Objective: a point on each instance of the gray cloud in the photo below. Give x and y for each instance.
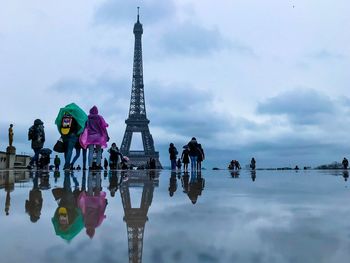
(192, 39)
(115, 12)
(301, 106)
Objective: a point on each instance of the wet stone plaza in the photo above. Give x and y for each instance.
(164, 216)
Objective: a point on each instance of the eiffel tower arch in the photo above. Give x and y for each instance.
(137, 121)
(136, 217)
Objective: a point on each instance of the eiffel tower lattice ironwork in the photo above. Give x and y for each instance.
(137, 121)
(136, 217)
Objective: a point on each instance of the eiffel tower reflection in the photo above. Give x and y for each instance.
(136, 217)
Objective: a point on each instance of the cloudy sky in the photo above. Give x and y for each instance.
(268, 79)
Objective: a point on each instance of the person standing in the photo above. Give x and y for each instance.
(36, 134)
(193, 152)
(252, 163)
(114, 154)
(345, 163)
(185, 157)
(70, 121)
(200, 156)
(173, 155)
(96, 137)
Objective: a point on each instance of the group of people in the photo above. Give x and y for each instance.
(234, 165)
(192, 152)
(84, 133)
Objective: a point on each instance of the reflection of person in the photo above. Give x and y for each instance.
(196, 186)
(67, 211)
(253, 175)
(11, 135)
(172, 184)
(93, 204)
(35, 201)
(57, 162)
(113, 183)
(345, 175)
(184, 182)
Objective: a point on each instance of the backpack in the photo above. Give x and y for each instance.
(66, 124)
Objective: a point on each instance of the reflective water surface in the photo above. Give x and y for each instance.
(164, 216)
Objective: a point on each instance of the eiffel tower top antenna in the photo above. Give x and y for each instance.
(138, 14)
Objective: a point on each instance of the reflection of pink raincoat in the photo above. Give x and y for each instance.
(93, 208)
(95, 131)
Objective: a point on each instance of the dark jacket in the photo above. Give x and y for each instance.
(173, 152)
(36, 134)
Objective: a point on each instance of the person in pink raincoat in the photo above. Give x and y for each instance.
(95, 136)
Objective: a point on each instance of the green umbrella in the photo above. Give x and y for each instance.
(78, 114)
(72, 230)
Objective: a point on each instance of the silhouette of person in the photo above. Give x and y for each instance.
(113, 183)
(200, 156)
(172, 183)
(252, 164)
(35, 201)
(253, 175)
(173, 155)
(185, 157)
(185, 181)
(345, 163)
(345, 175)
(196, 186)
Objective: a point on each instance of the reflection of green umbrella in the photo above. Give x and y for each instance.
(73, 230)
(78, 114)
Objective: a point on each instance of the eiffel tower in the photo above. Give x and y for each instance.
(137, 120)
(136, 218)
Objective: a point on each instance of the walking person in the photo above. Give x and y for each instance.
(193, 152)
(185, 157)
(173, 155)
(57, 163)
(200, 156)
(95, 136)
(36, 134)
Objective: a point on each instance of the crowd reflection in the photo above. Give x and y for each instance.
(192, 184)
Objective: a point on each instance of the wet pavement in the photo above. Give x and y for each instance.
(164, 216)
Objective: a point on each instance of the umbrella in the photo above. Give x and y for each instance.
(45, 151)
(77, 113)
(72, 230)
